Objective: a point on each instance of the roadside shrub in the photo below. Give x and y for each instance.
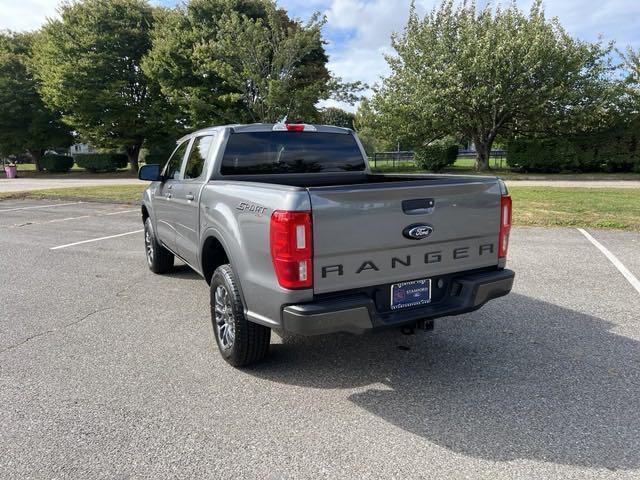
(437, 155)
(54, 163)
(101, 162)
(615, 150)
(539, 155)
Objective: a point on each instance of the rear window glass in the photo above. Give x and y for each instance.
(254, 153)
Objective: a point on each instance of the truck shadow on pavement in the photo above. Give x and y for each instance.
(183, 272)
(518, 379)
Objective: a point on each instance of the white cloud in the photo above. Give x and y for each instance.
(362, 56)
(613, 19)
(21, 15)
(25, 14)
(371, 23)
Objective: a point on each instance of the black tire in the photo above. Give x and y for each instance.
(159, 259)
(240, 341)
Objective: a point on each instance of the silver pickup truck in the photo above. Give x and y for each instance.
(293, 231)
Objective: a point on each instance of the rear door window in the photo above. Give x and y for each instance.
(254, 153)
(197, 156)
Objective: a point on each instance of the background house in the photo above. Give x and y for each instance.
(80, 148)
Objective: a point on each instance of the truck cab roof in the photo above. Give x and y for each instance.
(263, 127)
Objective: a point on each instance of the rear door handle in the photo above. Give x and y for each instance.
(189, 196)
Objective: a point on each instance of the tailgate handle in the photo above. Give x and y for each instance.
(418, 206)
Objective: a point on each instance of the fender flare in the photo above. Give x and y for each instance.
(212, 232)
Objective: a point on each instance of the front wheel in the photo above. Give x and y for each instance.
(240, 341)
(159, 259)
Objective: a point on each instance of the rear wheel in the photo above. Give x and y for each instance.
(240, 341)
(159, 259)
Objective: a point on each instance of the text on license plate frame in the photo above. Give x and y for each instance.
(403, 296)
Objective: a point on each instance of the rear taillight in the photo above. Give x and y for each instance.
(505, 225)
(292, 249)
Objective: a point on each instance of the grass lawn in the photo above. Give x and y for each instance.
(107, 193)
(31, 167)
(29, 170)
(577, 207)
(536, 206)
(465, 165)
(462, 163)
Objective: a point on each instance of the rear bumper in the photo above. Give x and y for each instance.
(357, 313)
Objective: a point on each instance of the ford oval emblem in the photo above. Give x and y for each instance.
(417, 231)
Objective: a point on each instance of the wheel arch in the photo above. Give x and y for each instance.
(145, 213)
(213, 254)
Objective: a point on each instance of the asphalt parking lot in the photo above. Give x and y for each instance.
(110, 371)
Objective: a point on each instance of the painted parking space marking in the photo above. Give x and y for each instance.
(39, 206)
(58, 220)
(631, 278)
(122, 211)
(96, 239)
(63, 219)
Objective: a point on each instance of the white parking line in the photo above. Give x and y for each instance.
(87, 216)
(63, 219)
(122, 211)
(39, 206)
(95, 240)
(635, 283)
(57, 220)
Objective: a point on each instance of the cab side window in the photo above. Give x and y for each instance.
(197, 156)
(172, 168)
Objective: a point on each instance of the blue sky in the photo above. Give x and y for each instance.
(358, 31)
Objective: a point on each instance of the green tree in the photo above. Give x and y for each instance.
(481, 73)
(632, 82)
(227, 61)
(368, 123)
(26, 124)
(275, 65)
(336, 116)
(632, 60)
(89, 66)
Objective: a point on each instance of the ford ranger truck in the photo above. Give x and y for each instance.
(292, 231)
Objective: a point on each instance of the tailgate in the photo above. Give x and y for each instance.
(360, 234)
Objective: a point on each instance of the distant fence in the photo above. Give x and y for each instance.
(393, 159)
(406, 158)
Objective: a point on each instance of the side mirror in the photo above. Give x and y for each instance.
(150, 173)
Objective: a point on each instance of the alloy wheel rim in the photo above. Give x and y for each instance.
(223, 313)
(148, 246)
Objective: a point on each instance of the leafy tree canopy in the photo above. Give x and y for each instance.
(226, 61)
(632, 82)
(89, 66)
(367, 122)
(480, 73)
(336, 116)
(26, 124)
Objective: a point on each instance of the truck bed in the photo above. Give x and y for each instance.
(359, 223)
(345, 179)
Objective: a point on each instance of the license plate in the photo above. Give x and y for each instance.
(410, 294)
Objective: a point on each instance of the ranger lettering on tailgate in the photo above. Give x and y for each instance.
(431, 257)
